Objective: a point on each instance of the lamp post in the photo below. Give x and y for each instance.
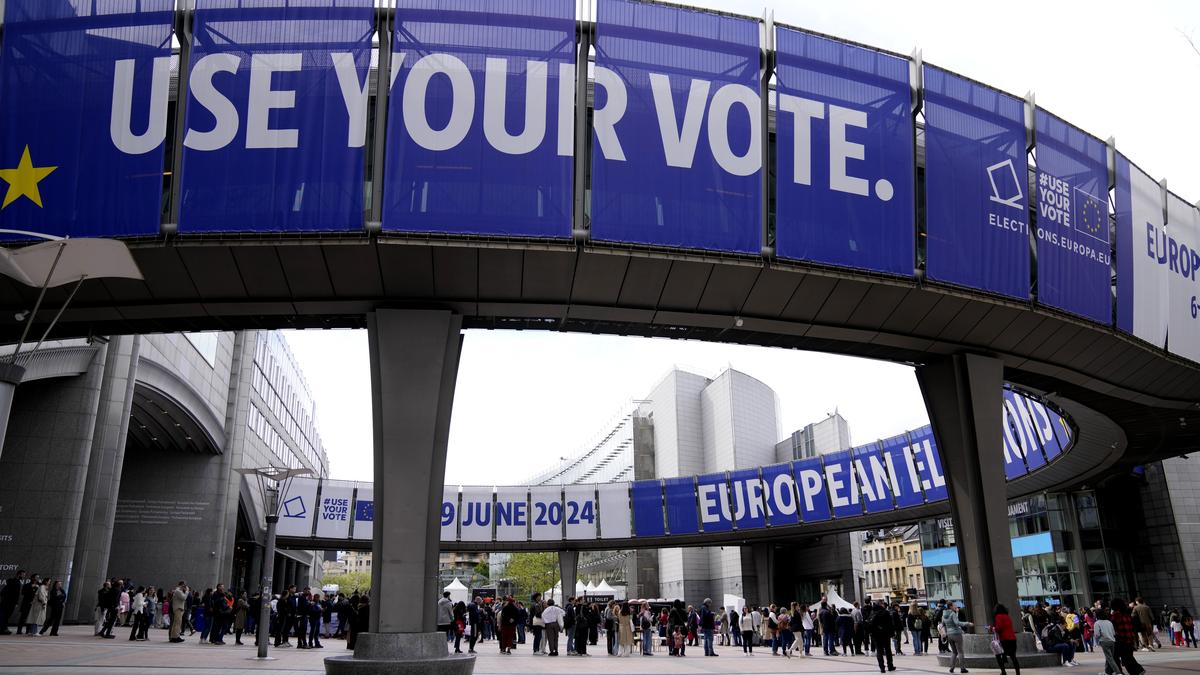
(273, 484)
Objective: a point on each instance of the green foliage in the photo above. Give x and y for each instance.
(532, 572)
(349, 582)
(484, 571)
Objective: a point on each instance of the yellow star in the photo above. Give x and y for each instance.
(23, 180)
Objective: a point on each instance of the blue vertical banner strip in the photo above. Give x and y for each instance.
(748, 499)
(896, 458)
(780, 487)
(676, 157)
(680, 497)
(810, 488)
(1072, 220)
(647, 499)
(85, 87)
(276, 116)
(840, 482)
(976, 204)
(1142, 253)
(481, 128)
(712, 491)
(844, 155)
(874, 479)
(1027, 434)
(928, 464)
(1014, 455)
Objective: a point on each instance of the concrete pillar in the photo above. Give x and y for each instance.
(414, 367)
(963, 396)
(568, 566)
(280, 580)
(10, 377)
(764, 572)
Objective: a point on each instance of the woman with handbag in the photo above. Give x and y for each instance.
(1004, 640)
(951, 630)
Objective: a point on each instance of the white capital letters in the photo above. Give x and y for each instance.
(263, 99)
(462, 106)
(354, 95)
(604, 120)
(566, 109)
(121, 122)
(803, 112)
(679, 144)
(718, 129)
(495, 95)
(841, 149)
(206, 94)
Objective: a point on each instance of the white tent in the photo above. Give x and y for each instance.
(590, 588)
(832, 597)
(458, 592)
(735, 602)
(579, 587)
(604, 589)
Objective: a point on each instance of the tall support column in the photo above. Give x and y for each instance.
(764, 573)
(10, 377)
(568, 566)
(414, 366)
(963, 396)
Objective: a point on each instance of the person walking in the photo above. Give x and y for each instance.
(1188, 625)
(582, 627)
(508, 625)
(28, 590)
(1144, 623)
(1002, 625)
(316, 613)
(1106, 637)
(646, 622)
(537, 624)
(37, 608)
(1127, 637)
(108, 598)
(881, 628)
(625, 625)
(707, 626)
(445, 616)
(137, 610)
(57, 603)
(952, 633)
(240, 611)
(552, 623)
(10, 597)
(474, 623)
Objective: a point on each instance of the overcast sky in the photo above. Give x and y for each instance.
(524, 399)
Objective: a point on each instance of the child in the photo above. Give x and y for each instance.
(679, 642)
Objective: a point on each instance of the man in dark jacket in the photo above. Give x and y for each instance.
(301, 611)
(708, 623)
(508, 625)
(474, 621)
(10, 595)
(583, 625)
(108, 598)
(828, 620)
(882, 627)
(27, 593)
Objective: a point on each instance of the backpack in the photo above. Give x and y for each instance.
(918, 624)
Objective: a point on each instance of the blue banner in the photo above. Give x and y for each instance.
(716, 514)
(897, 457)
(679, 495)
(845, 162)
(677, 158)
(481, 118)
(276, 116)
(876, 481)
(927, 463)
(810, 487)
(646, 497)
(1142, 284)
(1073, 249)
(780, 493)
(976, 208)
(81, 139)
(842, 485)
(748, 495)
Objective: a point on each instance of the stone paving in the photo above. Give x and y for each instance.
(77, 652)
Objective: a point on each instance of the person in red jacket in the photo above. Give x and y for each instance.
(1003, 626)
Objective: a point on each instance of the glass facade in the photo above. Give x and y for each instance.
(283, 414)
(1059, 556)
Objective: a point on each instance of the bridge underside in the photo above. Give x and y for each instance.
(322, 282)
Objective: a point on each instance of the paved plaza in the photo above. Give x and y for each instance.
(76, 651)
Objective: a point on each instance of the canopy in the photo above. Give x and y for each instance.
(590, 588)
(458, 592)
(832, 597)
(605, 589)
(54, 263)
(734, 602)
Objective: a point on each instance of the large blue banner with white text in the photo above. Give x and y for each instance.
(1141, 255)
(85, 87)
(481, 118)
(676, 145)
(1073, 249)
(844, 155)
(276, 116)
(976, 210)
(1183, 287)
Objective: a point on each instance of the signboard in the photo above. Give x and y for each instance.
(546, 513)
(1073, 250)
(81, 137)
(364, 512)
(1142, 249)
(512, 514)
(677, 131)
(481, 119)
(475, 514)
(845, 160)
(580, 511)
(888, 475)
(276, 116)
(1183, 258)
(336, 511)
(297, 509)
(614, 510)
(976, 204)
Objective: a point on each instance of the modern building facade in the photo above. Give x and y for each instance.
(124, 453)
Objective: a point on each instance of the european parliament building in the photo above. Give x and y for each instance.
(122, 453)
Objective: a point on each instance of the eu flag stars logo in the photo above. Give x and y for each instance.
(23, 180)
(1092, 217)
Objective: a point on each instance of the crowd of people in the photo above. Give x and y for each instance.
(877, 629)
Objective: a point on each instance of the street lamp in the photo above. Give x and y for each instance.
(273, 483)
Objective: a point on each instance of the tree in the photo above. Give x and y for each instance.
(532, 572)
(349, 582)
(483, 571)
